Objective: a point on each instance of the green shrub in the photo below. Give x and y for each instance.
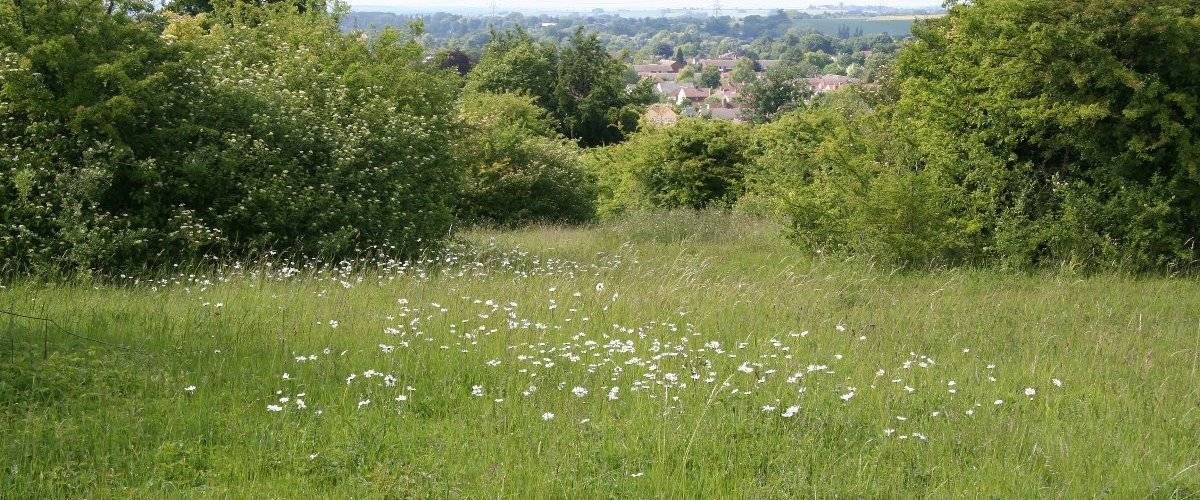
(838, 176)
(1073, 142)
(327, 144)
(1090, 112)
(519, 169)
(130, 141)
(695, 164)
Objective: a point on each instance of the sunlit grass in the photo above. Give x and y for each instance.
(741, 368)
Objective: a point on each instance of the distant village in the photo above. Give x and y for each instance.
(720, 102)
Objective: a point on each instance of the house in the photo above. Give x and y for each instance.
(675, 65)
(691, 95)
(656, 72)
(670, 88)
(653, 68)
(658, 77)
(828, 83)
(728, 95)
(721, 64)
(661, 115)
(727, 114)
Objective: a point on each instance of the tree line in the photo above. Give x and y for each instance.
(135, 137)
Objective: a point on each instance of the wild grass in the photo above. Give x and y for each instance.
(711, 328)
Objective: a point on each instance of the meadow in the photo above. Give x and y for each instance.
(674, 355)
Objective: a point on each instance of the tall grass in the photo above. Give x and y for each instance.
(710, 328)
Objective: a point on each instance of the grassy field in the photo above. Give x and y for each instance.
(673, 356)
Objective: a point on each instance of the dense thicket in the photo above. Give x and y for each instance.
(1021, 132)
(519, 169)
(1072, 127)
(131, 139)
(695, 164)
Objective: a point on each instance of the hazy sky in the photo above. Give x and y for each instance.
(577, 5)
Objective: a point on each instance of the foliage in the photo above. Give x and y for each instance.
(520, 169)
(710, 77)
(694, 164)
(1069, 142)
(581, 84)
(842, 180)
(1082, 131)
(515, 62)
(127, 148)
(783, 88)
(744, 71)
(592, 102)
(85, 107)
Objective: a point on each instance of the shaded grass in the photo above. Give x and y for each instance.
(86, 420)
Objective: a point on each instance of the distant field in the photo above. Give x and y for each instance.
(680, 355)
(893, 25)
(911, 17)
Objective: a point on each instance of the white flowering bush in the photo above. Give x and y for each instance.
(203, 137)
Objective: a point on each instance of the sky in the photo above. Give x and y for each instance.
(586, 5)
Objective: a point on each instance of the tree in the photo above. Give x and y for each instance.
(783, 88)
(818, 59)
(686, 74)
(744, 71)
(457, 60)
(679, 58)
(580, 83)
(513, 61)
(710, 77)
(592, 102)
(815, 42)
(90, 97)
(662, 50)
(190, 7)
